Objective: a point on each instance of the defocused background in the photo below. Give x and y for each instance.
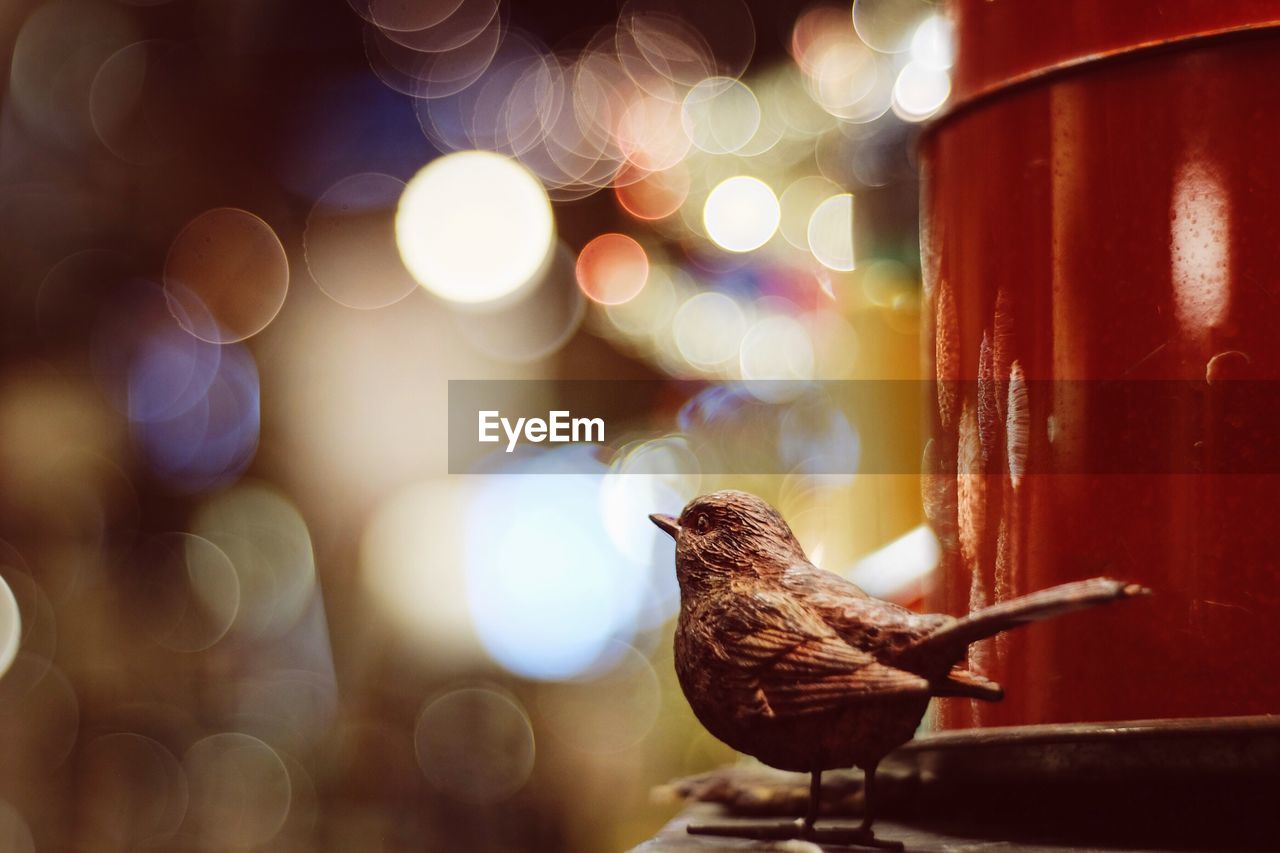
(246, 245)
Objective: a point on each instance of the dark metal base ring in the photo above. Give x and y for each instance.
(788, 830)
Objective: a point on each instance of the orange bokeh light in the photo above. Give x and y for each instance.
(652, 195)
(612, 269)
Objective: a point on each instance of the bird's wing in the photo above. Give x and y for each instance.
(871, 624)
(796, 664)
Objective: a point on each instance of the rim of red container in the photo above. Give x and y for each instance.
(1011, 61)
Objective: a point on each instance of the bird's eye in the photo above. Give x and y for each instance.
(701, 523)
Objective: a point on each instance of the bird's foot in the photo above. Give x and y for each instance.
(849, 835)
(795, 829)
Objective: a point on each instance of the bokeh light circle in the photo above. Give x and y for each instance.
(798, 202)
(350, 243)
(889, 25)
(240, 789)
(532, 325)
(607, 713)
(655, 195)
(140, 102)
(741, 214)
(474, 227)
(920, 91)
(411, 562)
(720, 115)
(140, 789)
(777, 347)
(10, 627)
(933, 44)
(191, 591)
(708, 330)
(548, 596)
(269, 546)
(612, 269)
(15, 835)
(226, 275)
(475, 744)
(831, 232)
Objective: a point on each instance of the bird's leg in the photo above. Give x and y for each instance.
(815, 801)
(805, 828)
(868, 797)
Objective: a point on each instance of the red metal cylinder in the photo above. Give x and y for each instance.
(1102, 204)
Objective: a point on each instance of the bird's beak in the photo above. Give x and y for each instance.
(667, 523)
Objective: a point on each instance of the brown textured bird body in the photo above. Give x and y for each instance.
(801, 668)
(834, 714)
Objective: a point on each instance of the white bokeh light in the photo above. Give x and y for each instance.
(474, 227)
(899, 569)
(708, 330)
(547, 588)
(10, 627)
(932, 45)
(831, 232)
(920, 91)
(741, 214)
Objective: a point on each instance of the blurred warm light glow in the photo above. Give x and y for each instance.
(608, 713)
(932, 45)
(830, 232)
(720, 115)
(192, 588)
(139, 102)
(475, 744)
(40, 713)
(535, 323)
(57, 53)
(406, 17)
(741, 214)
(226, 275)
(10, 627)
(645, 318)
(474, 227)
(149, 793)
(612, 269)
(899, 570)
(350, 242)
(412, 563)
(776, 347)
(708, 330)
(682, 43)
(14, 830)
(920, 91)
(269, 546)
(651, 134)
(654, 195)
(844, 76)
(884, 281)
(437, 61)
(240, 789)
(797, 204)
(888, 25)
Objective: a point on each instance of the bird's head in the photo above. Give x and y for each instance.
(726, 534)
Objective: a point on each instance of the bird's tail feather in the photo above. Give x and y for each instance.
(1044, 604)
(970, 685)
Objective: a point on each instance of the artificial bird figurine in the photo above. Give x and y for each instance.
(802, 669)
